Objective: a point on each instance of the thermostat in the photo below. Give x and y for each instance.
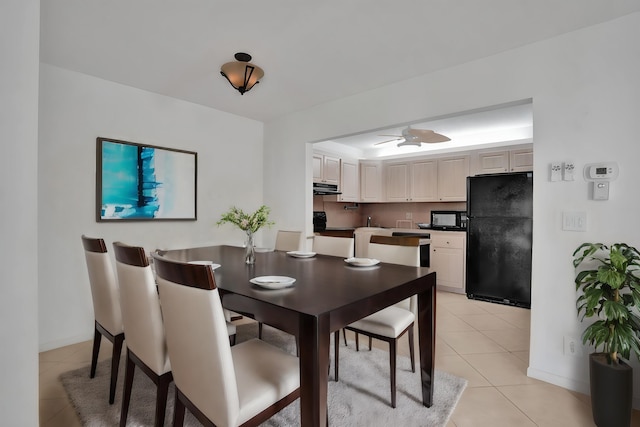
(605, 171)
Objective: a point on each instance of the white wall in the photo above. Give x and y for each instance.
(586, 104)
(75, 109)
(19, 49)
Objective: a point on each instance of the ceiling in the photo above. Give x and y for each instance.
(311, 52)
(503, 125)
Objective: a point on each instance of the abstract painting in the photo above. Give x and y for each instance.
(136, 182)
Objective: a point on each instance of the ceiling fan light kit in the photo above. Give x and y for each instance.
(242, 74)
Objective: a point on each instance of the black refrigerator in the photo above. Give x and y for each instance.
(499, 233)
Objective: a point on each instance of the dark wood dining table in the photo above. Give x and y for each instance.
(327, 295)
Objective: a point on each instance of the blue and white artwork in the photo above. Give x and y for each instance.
(141, 182)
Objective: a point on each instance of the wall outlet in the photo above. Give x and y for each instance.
(408, 215)
(572, 346)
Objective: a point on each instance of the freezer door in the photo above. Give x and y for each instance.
(499, 260)
(500, 195)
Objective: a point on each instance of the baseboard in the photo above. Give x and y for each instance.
(51, 345)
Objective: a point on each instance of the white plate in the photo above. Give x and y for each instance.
(301, 254)
(362, 262)
(273, 282)
(204, 262)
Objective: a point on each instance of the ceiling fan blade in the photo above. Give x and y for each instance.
(428, 136)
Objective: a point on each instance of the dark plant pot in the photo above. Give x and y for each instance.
(611, 391)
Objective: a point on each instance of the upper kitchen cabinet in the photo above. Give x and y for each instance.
(502, 161)
(370, 181)
(521, 160)
(326, 169)
(349, 181)
(452, 178)
(411, 181)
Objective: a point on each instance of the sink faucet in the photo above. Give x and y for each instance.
(368, 221)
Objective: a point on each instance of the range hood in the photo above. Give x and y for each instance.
(322, 189)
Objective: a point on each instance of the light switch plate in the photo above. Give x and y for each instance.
(574, 221)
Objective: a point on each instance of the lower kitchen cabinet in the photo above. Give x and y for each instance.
(448, 260)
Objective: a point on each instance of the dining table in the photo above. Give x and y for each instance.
(327, 295)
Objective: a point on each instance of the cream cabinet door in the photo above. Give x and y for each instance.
(448, 259)
(370, 182)
(424, 181)
(452, 179)
(493, 162)
(349, 182)
(521, 160)
(318, 165)
(397, 182)
(331, 170)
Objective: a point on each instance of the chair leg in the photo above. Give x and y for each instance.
(392, 365)
(357, 342)
(126, 395)
(178, 410)
(97, 337)
(344, 335)
(118, 340)
(336, 353)
(370, 342)
(161, 399)
(411, 350)
(259, 330)
(232, 339)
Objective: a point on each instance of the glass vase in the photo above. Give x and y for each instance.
(250, 249)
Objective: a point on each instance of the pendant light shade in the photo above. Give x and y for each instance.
(242, 74)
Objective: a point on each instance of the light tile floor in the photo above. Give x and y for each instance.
(488, 344)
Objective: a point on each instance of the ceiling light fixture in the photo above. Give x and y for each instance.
(242, 74)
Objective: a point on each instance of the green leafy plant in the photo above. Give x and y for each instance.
(610, 292)
(247, 222)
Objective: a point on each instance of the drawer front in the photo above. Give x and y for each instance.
(447, 240)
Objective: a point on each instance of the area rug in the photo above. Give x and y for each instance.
(360, 398)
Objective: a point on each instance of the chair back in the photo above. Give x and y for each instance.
(104, 286)
(403, 250)
(197, 338)
(333, 246)
(141, 308)
(288, 240)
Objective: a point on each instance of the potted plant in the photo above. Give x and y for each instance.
(249, 223)
(610, 292)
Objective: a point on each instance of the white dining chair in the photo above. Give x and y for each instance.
(220, 385)
(392, 322)
(333, 246)
(288, 240)
(105, 295)
(146, 345)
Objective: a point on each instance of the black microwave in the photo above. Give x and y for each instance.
(448, 220)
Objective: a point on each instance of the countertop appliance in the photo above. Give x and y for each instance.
(499, 235)
(448, 220)
(319, 221)
(322, 189)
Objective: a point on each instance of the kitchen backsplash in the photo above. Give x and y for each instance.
(382, 214)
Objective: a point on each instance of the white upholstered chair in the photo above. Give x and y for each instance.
(220, 385)
(288, 240)
(333, 246)
(390, 323)
(146, 344)
(106, 306)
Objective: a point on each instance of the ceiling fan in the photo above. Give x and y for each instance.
(416, 137)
